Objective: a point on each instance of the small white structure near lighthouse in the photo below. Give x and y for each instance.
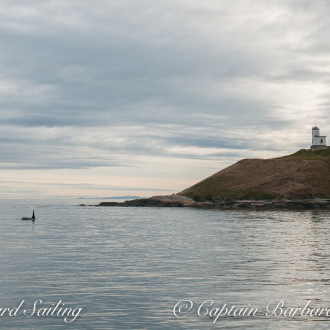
(318, 141)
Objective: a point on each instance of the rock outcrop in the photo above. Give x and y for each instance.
(155, 201)
(181, 201)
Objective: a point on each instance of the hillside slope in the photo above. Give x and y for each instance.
(304, 174)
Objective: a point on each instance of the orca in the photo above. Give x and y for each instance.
(33, 218)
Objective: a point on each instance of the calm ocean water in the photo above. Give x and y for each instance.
(127, 268)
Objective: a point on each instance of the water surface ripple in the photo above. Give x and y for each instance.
(128, 267)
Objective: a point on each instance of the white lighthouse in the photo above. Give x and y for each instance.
(318, 141)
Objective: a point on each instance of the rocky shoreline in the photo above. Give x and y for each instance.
(182, 201)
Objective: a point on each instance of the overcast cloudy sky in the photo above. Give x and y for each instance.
(110, 98)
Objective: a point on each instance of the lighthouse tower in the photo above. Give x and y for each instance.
(318, 141)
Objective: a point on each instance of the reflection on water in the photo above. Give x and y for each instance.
(128, 267)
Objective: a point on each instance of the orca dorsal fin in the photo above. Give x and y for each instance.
(33, 216)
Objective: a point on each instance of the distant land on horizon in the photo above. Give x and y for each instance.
(114, 197)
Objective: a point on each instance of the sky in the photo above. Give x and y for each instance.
(120, 98)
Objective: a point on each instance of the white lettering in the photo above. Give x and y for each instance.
(275, 311)
(206, 303)
(39, 301)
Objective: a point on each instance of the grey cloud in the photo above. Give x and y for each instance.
(154, 65)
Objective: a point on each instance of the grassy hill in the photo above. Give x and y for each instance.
(302, 175)
(309, 154)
